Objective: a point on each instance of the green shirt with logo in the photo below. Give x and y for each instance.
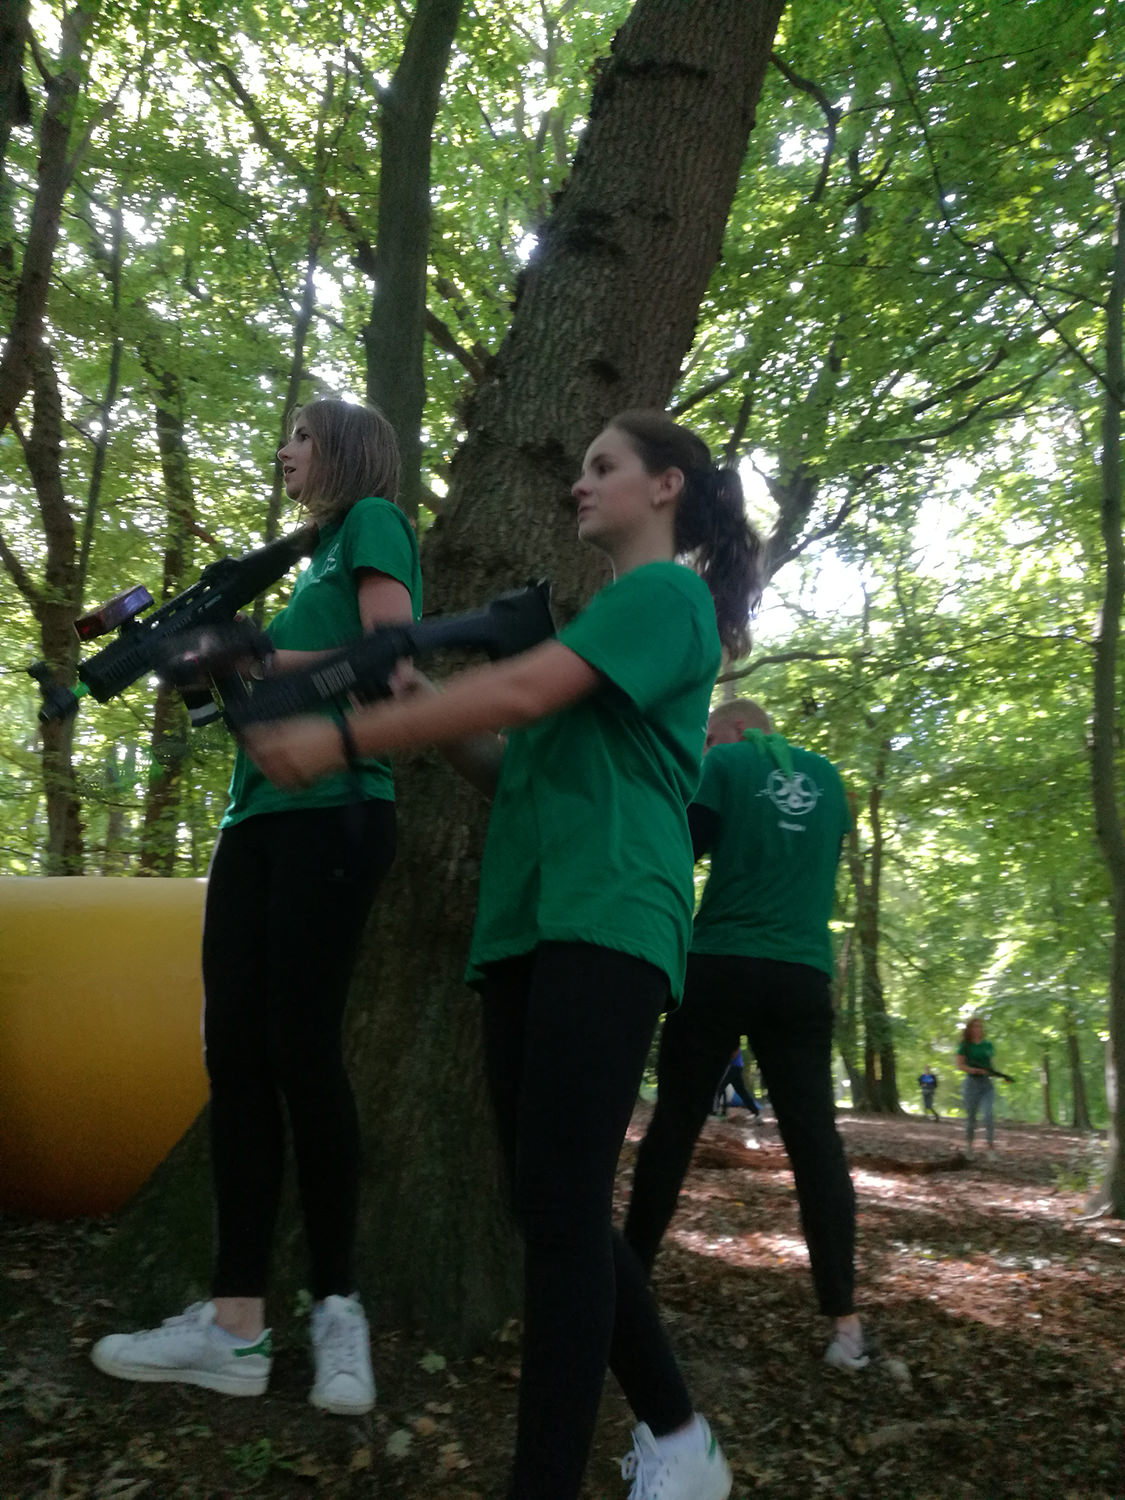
(588, 840)
(323, 615)
(782, 815)
(976, 1054)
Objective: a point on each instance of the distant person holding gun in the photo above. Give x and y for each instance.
(289, 889)
(928, 1083)
(735, 1078)
(974, 1058)
(584, 918)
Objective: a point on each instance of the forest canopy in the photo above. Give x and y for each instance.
(906, 345)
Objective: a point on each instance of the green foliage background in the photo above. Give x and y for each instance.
(900, 346)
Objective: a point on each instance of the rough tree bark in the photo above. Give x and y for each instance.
(1104, 757)
(603, 320)
(394, 339)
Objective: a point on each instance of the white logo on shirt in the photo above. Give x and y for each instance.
(795, 795)
(329, 564)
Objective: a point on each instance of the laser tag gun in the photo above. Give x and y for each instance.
(511, 623)
(992, 1073)
(143, 646)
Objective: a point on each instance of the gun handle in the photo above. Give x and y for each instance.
(58, 701)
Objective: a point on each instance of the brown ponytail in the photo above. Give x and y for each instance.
(712, 532)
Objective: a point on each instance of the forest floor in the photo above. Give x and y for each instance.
(1000, 1313)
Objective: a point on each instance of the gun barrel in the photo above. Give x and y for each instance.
(512, 623)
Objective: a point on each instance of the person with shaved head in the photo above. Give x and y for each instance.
(773, 818)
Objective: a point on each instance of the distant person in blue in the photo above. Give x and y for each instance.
(773, 818)
(928, 1082)
(735, 1078)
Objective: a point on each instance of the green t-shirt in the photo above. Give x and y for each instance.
(588, 839)
(782, 816)
(976, 1054)
(323, 615)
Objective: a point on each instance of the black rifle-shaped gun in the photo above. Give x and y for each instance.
(143, 647)
(992, 1072)
(511, 623)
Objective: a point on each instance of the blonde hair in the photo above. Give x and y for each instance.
(752, 714)
(354, 453)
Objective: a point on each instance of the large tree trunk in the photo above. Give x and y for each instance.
(1104, 760)
(395, 337)
(604, 317)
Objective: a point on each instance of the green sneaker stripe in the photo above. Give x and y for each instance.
(263, 1346)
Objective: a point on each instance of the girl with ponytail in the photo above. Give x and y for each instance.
(590, 748)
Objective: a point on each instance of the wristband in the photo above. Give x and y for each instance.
(347, 739)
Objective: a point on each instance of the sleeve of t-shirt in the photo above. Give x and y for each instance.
(712, 781)
(378, 535)
(703, 825)
(645, 634)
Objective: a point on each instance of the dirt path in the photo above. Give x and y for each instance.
(1007, 1312)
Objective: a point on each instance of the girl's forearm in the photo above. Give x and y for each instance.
(475, 702)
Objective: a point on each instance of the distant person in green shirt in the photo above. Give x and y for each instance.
(974, 1058)
(584, 918)
(288, 892)
(773, 818)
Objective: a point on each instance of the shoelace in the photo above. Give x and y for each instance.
(633, 1467)
(179, 1320)
(338, 1345)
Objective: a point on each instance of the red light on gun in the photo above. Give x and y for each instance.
(114, 612)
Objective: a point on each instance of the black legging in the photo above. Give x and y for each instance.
(785, 1012)
(287, 897)
(586, 1015)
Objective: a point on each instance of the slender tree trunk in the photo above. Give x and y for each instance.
(603, 320)
(15, 110)
(879, 1064)
(56, 608)
(170, 745)
(1104, 760)
(55, 170)
(1081, 1113)
(1045, 1082)
(846, 1020)
(394, 338)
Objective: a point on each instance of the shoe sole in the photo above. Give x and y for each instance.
(210, 1380)
(849, 1367)
(341, 1408)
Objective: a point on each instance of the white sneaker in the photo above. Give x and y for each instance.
(697, 1474)
(190, 1349)
(341, 1346)
(844, 1354)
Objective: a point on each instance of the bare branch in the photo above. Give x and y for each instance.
(831, 115)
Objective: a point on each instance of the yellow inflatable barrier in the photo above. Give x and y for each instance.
(101, 1062)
